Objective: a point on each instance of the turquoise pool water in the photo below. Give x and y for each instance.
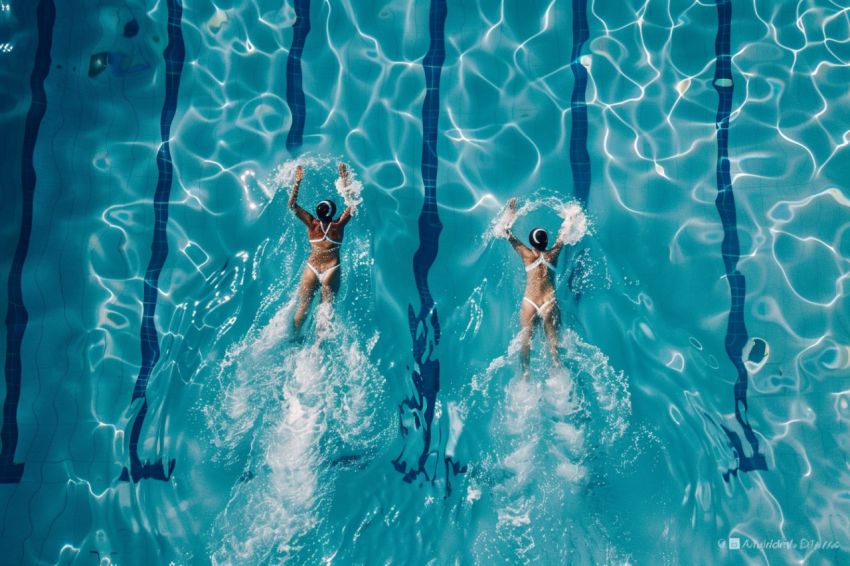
(158, 410)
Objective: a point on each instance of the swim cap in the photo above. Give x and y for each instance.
(326, 210)
(539, 239)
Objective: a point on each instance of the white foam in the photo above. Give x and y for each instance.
(350, 190)
(569, 436)
(456, 417)
(481, 382)
(515, 516)
(278, 329)
(522, 406)
(573, 473)
(318, 170)
(573, 227)
(303, 406)
(284, 174)
(560, 392)
(280, 503)
(503, 222)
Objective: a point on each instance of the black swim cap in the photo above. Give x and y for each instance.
(539, 239)
(326, 210)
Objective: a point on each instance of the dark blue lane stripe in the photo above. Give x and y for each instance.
(294, 79)
(175, 53)
(16, 313)
(426, 378)
(579, 157)
(736, 332)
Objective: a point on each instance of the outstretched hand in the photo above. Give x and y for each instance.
(343, 172)
(293, 195)
(512, 204)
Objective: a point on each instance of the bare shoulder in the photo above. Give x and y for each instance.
(344, 217)
(552, 255)
(311, 222)
(527, 254)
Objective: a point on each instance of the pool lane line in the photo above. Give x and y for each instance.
(17, 316)
(294, 78)
(426, 379)
(736, 332)
(579, 156)
(175, 53)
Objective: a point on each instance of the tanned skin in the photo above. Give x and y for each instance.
(539, 288)
(324, 254)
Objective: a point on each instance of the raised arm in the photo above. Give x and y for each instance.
(556, 249)
(346, 214)
(344, 217)
(520, 248)
(302, 214)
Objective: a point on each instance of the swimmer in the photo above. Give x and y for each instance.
(539, 302)
(325, 237)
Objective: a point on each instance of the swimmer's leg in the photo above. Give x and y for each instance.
(552, 326)
(526, 319)
(330, 286)
(309, 283)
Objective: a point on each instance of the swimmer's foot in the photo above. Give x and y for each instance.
(296, 339)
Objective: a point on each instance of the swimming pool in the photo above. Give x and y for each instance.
(159, 410)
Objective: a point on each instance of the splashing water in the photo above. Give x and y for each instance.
(294, 415)
(572, 468)
(317, 170)
(349, 190)
(299, 411)
(551, 431)
(573, 228)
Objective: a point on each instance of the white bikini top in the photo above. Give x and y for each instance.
(325, 237)
(539, 261)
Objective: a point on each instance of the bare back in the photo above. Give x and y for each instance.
(325, 250)
(539, 268)
(539, 285)
(325, 237)
(539, 302)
